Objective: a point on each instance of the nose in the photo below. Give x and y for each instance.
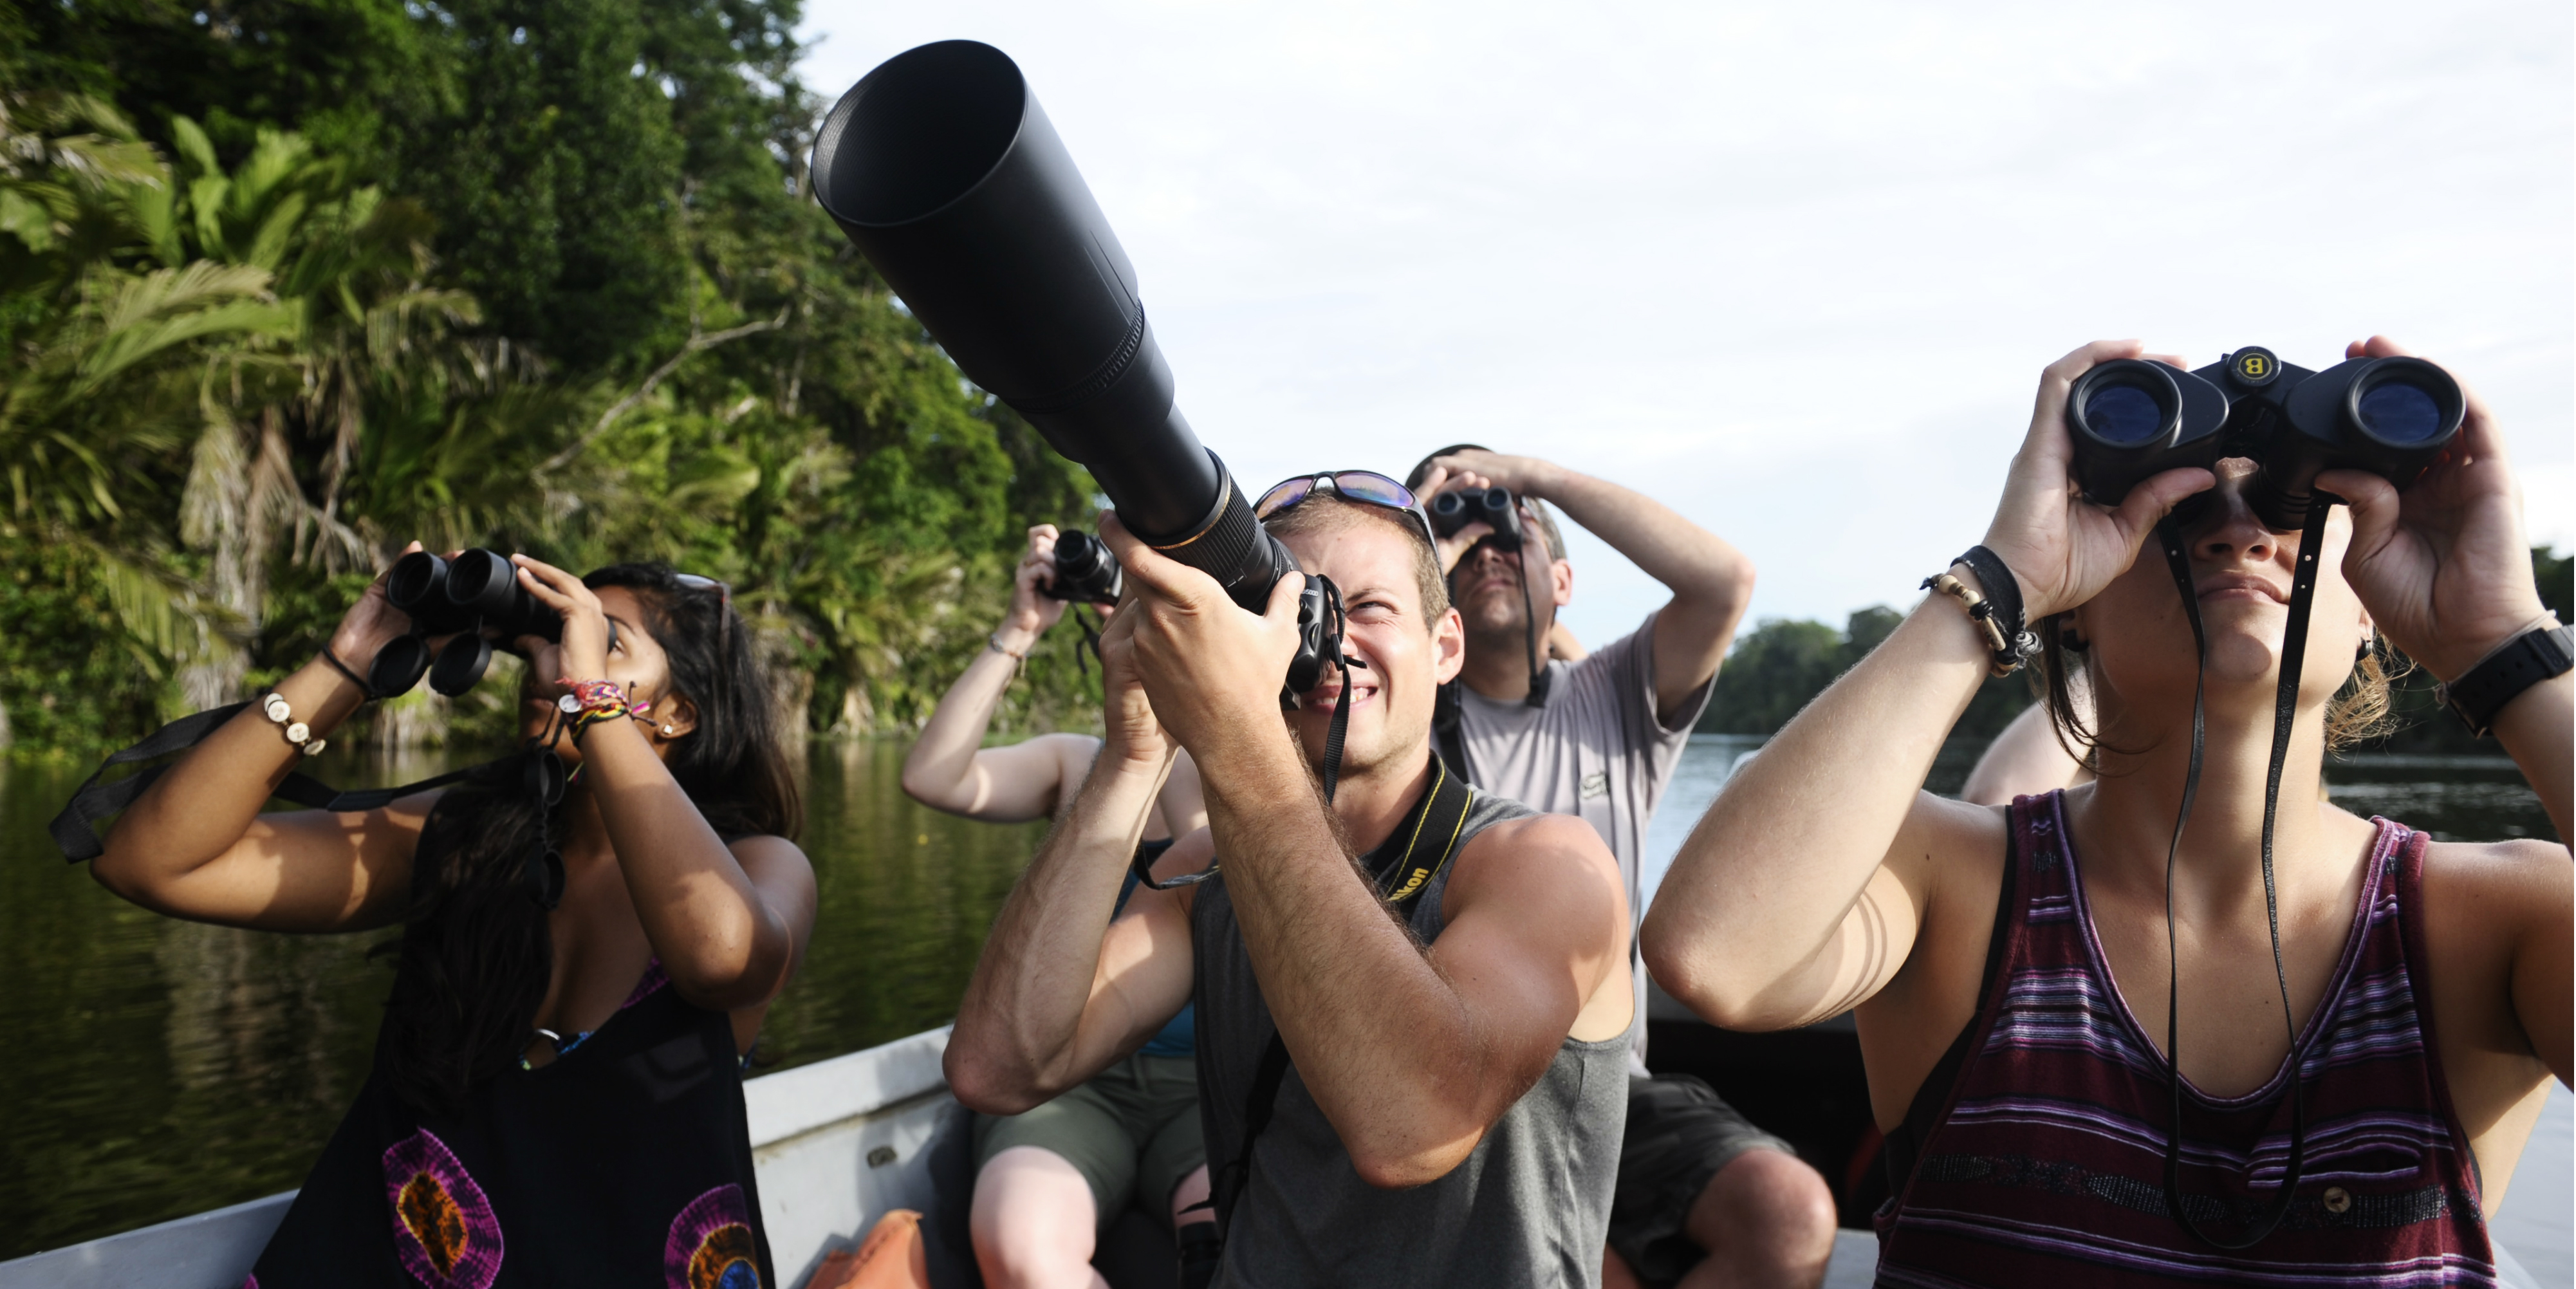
(2228, 529)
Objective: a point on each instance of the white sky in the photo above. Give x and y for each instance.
(1792, 269)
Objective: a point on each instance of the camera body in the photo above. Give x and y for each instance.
(1085, 570)
(475, 598)
(1495, 508)
(2130, 419)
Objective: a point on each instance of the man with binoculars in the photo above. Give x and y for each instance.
(1411, 1064)
(1705, 1198)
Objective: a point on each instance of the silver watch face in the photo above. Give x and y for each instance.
(567, 704)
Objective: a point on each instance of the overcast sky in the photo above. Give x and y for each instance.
(1792, 269)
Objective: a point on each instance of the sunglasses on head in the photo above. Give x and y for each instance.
(1350, 485)
(696, 582)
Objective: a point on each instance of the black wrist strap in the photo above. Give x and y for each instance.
(2003, 603)
(2543, 653)
(354, 678)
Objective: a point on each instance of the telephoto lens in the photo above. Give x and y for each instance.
(943, 170)
(1085, 570)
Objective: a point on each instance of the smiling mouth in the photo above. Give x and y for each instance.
(2241, 588)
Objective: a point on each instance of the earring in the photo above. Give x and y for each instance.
(2364, 651)
(668, 729)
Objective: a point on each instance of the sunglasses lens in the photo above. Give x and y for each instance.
(1364, 485)
(1283, 496)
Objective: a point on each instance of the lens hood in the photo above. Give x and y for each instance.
(942, 169)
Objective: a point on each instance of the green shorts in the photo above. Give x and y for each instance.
(1132, 1131)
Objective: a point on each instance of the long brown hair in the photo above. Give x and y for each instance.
(476, 953)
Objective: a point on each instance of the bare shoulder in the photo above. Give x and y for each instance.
(1555, 862)
(2479, 897)
(768, 853)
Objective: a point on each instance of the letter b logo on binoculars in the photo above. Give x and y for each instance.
(2130, 419)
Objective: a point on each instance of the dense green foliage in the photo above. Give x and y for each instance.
(287, 283)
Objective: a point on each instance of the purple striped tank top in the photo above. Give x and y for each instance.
(2034, 1154)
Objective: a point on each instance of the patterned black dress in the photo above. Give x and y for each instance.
(626, 1161)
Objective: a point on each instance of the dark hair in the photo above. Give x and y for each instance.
(1327, 512)
(2359, 712)
(1537, 509)
(476, 953)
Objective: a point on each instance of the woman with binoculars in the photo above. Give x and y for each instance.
(2004, 961)
(557, 1095)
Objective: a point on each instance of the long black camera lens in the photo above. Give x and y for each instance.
(943, 170)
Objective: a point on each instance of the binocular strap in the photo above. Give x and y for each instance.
(2285, 710)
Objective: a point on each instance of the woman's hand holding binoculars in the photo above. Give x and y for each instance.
(583, 652)
(2061, 548)
(369, 625)
(2443, 567)
(1032, 610)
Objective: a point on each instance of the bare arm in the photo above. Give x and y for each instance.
(2026, 758)
(1711, 581)
(2445, 570)
(1802, 892)
(949, 768)
(196, 846)
(729, 923)
(1060, 990)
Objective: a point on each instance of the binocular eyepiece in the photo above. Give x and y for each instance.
(1495, 508)
(1085, 570)
(475, 598)
(2131, 419)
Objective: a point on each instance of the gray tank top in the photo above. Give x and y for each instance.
(1530, 1206)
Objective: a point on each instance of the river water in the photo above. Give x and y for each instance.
(163, 1068)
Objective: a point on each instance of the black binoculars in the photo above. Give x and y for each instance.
(476, 598)
(1495, 508)
(2131, 419)
(1085, 570)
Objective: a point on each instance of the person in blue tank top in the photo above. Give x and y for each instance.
(1050, 1181)
(1412, 1067)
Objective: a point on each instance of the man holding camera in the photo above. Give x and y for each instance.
(1704, 1198)
(1410, 1065)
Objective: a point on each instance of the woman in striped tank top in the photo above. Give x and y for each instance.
(2009, 965)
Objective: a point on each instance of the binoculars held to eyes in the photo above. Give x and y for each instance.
(1085, 570)
(942, 169)
(475, 598)
(1495, 508)
(2131, 419)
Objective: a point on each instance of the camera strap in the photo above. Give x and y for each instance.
(1421, 845)
(2285, 710)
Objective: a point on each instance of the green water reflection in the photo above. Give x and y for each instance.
(162, 1068)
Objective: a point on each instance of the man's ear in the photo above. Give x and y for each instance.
(1561, 574)
(1448, 646)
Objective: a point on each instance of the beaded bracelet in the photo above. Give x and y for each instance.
(297, 732)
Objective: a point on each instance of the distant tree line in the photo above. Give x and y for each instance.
(287, 283)
(1780, 666)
